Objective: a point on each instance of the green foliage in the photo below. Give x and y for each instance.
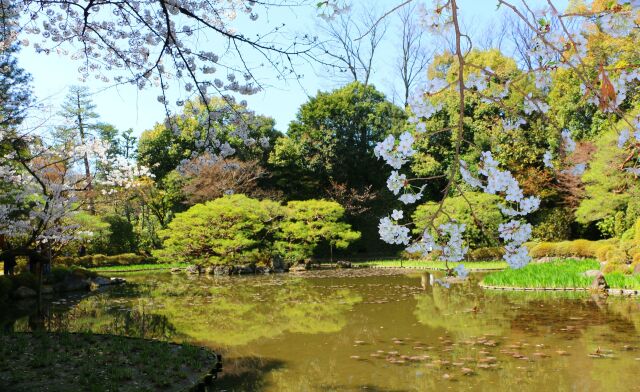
(237, 229)
(612, 226)
(162, 150)
(93, 232)
(488, 253)
(308, 223)
(520, 150)
(608, 190)
(100, 260)
(232, 229)
(121, 239)
(332, 139)
(479, 211)
(552, 224)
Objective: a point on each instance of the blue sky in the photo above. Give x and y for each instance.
(127, 107)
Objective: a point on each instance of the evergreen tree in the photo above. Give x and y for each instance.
(15, 88)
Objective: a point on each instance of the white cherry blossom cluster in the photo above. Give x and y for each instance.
(618, 24)
(568, 143)
(500, 182)
(532, 105)
(395, 154)
(436, 18)
(515, 233)
(450, 244)
(393, 233)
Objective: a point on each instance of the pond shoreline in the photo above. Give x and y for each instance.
(613, 291)
(324, 266)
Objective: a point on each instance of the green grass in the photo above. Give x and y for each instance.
(561, 273)
(616, 280)
(471, 265)
(139, 267)
(86, 362)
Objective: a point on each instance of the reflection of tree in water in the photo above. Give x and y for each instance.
(99, 315)
(567, 314)
(463, 309)
(236, 313)
(246, 373)
(468, 310)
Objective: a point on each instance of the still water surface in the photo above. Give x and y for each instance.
(370, 331)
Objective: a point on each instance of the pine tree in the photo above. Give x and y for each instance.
(15, 88)
(79, 111)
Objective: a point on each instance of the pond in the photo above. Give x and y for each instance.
(369, 330)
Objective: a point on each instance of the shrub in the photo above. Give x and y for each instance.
(308, 223)
(616, 255)
(489, 253)
(26, 279)
(552, 225)
(236, 229)
(612, 267)
(91, 261)
(603, 250)
(543, 249)
(230, 229)
(122, 238)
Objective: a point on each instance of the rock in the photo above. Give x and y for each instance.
(73, 283)
(592, 273)
(278, 264)
(193, 269)
(343, 264)
(118, 280)
(46, 290)
(263, 270)
(599, 283)
(23, 292)
(93, 286)
(176, 270)
(102, 281)
(636, 269)
(222, 270)
(245, 269)
(300, 267)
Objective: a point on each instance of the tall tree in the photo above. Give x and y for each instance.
(15, 88)
(353, 41)
(414, 57)
(332, 139)
(79, 112)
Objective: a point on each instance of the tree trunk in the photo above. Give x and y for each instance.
(85, 158)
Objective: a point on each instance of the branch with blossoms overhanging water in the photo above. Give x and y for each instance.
(155, 43)
(448, 238)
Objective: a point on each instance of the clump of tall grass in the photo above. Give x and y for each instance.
(562, 273)
(555, 274)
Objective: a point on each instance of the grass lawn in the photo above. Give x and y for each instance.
(85, 362)
(470, 265)
(139, 267)
(557, 274)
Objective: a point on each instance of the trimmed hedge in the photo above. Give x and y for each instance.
(620, 256)
(92, 261)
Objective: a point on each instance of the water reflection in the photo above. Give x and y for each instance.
(376, 331)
